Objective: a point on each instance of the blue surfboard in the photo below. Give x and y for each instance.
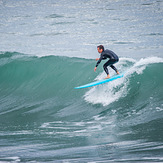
(100, 81)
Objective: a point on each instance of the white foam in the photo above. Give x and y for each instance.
(140, 66)
(110, 92)
(12, 159)
(106, 93)
(149, 60)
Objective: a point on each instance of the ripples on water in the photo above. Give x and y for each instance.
(43, 119)
(75, 28)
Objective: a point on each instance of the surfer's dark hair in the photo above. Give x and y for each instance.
(101, 47)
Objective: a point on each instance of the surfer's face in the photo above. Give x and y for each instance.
(99, 50)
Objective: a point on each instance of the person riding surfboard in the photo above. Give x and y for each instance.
(113, 58)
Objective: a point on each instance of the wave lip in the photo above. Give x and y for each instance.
(114, 90)
(41, 112)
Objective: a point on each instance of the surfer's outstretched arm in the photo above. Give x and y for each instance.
(95, 69)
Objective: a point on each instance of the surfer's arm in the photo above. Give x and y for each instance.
(95, 69)
(99, 60)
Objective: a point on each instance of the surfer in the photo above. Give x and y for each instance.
(113, 58)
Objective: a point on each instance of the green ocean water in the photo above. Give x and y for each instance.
(47, 48)
(44, 119)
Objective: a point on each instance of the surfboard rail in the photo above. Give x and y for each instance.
(100, 82)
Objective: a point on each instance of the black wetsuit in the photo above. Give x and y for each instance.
(113, 58)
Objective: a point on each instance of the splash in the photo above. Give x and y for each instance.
(111, 92)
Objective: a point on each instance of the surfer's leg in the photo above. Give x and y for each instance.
(109, 63)
(106, 69)
(114, 68)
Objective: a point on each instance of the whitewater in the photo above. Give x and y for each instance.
(47, 48)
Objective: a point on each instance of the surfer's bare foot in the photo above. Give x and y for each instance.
(118, 72)
(107, 77)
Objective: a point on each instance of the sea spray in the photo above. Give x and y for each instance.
(114, 90)
(43, 118)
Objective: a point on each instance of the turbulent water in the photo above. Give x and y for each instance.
(43, 118)
(47, 48)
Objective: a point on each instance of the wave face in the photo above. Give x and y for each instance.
(43, 118)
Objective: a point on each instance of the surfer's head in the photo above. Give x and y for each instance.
(100, 48)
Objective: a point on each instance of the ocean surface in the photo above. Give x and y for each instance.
(47, 48)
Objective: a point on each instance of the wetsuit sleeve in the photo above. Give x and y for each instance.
(101, 57)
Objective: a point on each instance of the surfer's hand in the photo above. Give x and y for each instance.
(97, 59)
(95, 69)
